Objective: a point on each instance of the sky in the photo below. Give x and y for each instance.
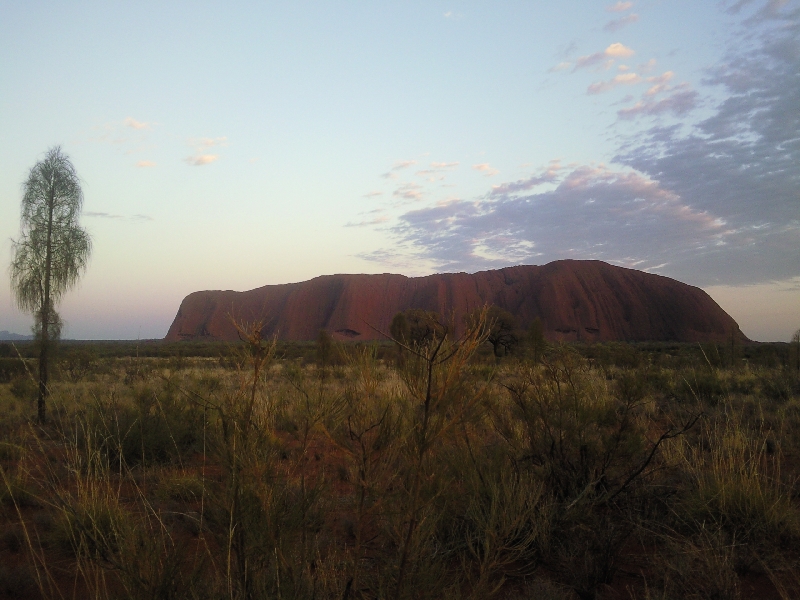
(231, 145)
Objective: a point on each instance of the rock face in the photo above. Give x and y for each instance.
(575, 300)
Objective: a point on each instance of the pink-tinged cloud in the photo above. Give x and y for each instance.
(618, 50)
(403, 164)
(618, 24)
(198, 160)
(619, 7)
(373, 194)
(560, 67)
(143, 164)
(549, 175)
(134, 124)
(679, 103)
(444, 165)
(663, 78)
(206, 142)
(409, 191)
(367, 222)
(614, 51)
(486, 169)
(623, 79)
(659, 83)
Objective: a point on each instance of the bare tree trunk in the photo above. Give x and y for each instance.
(46, 314)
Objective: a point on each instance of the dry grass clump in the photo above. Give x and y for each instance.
(442, 473)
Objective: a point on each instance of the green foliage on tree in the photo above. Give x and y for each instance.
(51, 253)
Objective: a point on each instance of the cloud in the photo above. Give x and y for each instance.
(486, 169)
(403, 164)
(618, 24)
(204, 143)
(105, 215)
(389, 175)
(622, 79)
(444, 165)
(199, 160)
(711, 201)
(618, 50)
(134, 124)
(373, 194)
(409, 191)
(612, 52)
(660, 83)
(548, 175)
(680, 102)
(619, 7)
(369, 222)
(102, 215)
(560, 67)
(594, 212)
(145, 163)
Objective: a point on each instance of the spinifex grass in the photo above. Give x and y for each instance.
(445, 474)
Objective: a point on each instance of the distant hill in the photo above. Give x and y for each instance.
(7, 336)
(576, 300)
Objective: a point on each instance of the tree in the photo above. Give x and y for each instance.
(51, 252)
(796, 350)
(501, 326)
(416, 326)
(536, 339)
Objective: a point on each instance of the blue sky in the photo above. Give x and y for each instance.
(233, 145)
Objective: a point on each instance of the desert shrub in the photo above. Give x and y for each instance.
(699, 567)
(24, 387)
(586, 440)
(154, 426)
(702, 384)
(777, 386)
(11, 368)
(76, 363)
(17, 581)
(735, 483)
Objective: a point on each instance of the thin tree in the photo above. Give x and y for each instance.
(51, 252)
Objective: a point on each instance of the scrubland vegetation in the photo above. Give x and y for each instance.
(437, 470)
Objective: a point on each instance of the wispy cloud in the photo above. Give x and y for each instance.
(618, 24)
(562, 66)
(612, 52)
(373, 194)
(619, 7)
(409, 191)
(622, 79)
(659, 83)
(198, 160)
(714, 202)
(101, 215)
(105, 215)
(444, 165)
(143, 164)
(681, 101)
(204, 143)
(379, 220)
(403, 164)
(486, 169)
(134, 124)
